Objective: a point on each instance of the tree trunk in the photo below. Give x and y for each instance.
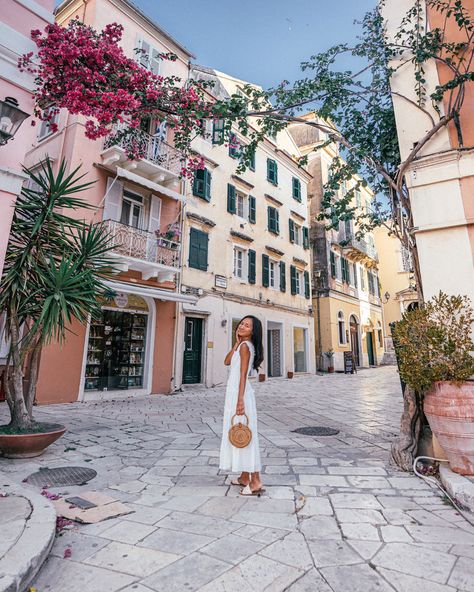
(404, 448)
(32, 378)
(20, 417)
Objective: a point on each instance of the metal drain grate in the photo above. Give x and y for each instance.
(316, 431)
(61, 476)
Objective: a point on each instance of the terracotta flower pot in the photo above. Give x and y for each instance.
(290, 374)
(331, 369)
(261, 377)
(450, 410)
(29, 445)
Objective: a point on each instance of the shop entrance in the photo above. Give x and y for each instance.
(370, 348)
(354, 327)
(116, 351)
(274, 349)
(192, 357)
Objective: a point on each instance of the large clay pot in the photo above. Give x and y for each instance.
(29, 445)
(450, 410)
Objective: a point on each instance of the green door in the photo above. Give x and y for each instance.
(192, 350)
(370, 348)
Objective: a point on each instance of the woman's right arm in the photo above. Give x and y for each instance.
(228, 357)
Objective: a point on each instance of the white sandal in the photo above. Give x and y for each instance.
(248, 492)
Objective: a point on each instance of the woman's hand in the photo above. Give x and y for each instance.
(238, 338)
(240, 409)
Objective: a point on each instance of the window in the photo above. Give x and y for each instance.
(148, 56)
(272, 171)
(47, 128)
(345, 271)
(245, 206)
(299, 282)
(202, 184)
(341, 328)
(233, 146)
(274, 274)
(198, 249)
(132, 210)
(252, 270)
(358, 197)
(370, 279)
(347, 229)
(252, 161)
(362, 278)
(218, 131)
(296, 232)
(332, 257)
(406, 261)
(379, 333)
(354, 275)
(338, 267)
(296, 189)
(273, 220)
(239, 255)
(299, 349)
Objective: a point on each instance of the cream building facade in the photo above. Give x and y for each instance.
(245, 252)
(346, 286)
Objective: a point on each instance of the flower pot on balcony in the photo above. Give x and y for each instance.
(449, 408)
(29, 444)
(290, 374)
(262, 377)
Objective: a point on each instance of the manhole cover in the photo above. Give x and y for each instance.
(61, 476)
(316, 431)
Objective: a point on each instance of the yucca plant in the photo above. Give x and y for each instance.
(54, 272)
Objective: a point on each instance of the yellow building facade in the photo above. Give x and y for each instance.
(346, 286)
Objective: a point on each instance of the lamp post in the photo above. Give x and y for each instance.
(11, 117)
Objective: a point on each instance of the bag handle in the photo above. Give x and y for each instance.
(235, 415)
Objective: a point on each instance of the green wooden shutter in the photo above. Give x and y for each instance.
(343, 269)
(333, 264)
(276, 172)
(198, 249)
(265, 271)
(207, 183)
(292, 230)
(217, 131)
(282, 276)
(271, 218)
(307, 292)
(296, 189)
(354, 270)
(272, 171)
(293, 273)
(277, 221)
(252, 161)
(252, 209)
(305, 238)
(231, 198)
(252, 266)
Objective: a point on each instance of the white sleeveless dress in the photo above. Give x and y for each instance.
(235, 459)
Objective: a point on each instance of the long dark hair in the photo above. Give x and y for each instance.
(257, 340)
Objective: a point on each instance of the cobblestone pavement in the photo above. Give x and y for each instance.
(335, 517)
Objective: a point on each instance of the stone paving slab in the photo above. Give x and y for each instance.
(336, 517)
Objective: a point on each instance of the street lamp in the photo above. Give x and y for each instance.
(11, 117)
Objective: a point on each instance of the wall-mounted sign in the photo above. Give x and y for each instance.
(121, 299)
(220, 281)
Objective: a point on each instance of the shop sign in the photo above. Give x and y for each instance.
(121, 299)
(220, 281)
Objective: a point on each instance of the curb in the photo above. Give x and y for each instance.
(459, 487)
(22, 562)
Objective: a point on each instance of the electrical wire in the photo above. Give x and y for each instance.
(440, 487)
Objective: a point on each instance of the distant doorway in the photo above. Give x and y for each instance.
(354, 330)
(274, 349)
(370, 347)
(192, 358)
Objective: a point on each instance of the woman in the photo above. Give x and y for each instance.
(246, 355)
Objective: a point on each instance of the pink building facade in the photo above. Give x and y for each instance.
(131, 349)
(17, 19)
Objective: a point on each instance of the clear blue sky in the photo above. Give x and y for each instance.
(262, 41)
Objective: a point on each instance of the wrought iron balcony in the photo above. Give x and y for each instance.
(155, 155)
(358, 249)
(144, 251)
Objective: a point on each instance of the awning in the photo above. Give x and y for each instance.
(141, 290)
(144, 182)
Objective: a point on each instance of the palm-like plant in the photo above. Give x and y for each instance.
(54, 271)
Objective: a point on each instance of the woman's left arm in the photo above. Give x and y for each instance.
(244, 370)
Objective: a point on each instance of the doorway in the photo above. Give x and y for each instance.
(274, 348)
(370, 347)
(192, 358)
(354, 330)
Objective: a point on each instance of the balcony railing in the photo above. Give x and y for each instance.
(350, 242)
(148, 147)
(141, 244)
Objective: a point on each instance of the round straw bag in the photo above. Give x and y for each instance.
(240, 435)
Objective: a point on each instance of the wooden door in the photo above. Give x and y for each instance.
(192, 358)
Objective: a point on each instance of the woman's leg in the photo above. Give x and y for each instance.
(255, 482)
(244, 478)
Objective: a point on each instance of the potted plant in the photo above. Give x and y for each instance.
(290, 374)
(435, 349)
(53, 273)
(170, 238)
(330, 355)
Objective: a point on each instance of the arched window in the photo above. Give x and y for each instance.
(341, 327)
(380, 333)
